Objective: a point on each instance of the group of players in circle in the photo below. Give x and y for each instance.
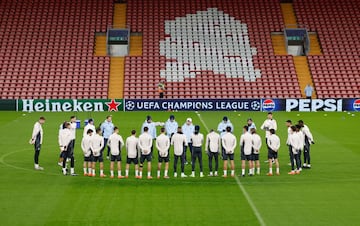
(186, 137)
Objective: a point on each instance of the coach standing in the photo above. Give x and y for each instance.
(107, 128)
(36, 140)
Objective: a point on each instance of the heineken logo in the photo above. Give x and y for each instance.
(53, 105)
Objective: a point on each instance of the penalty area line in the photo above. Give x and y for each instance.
(242, 188)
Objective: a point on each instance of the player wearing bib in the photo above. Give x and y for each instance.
(212, 146)
(145, 145)
(86, 145)
(115, 142)
(273, 143)
(163, 145)
(246, 151)
(228, 142)
(131, 145)
(97, 148)
(179, 142)
(256, 146)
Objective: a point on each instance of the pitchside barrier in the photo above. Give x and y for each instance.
(100, 105)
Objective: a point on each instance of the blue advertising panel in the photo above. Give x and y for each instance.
(273, 105)
(193, 105)
(351, 104)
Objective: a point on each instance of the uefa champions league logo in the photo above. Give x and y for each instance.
(130, 105)
(255, 105)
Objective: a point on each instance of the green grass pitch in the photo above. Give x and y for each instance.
(328, 194)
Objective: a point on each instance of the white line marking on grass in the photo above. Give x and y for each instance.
(243, 190)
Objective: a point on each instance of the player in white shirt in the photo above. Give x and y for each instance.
(268, 124)
(86, 145)
(288, 124)
(256, 146)
(61, 159)
(273, 143)
(246, 151)
(197, 140)
(308, 140)
(171, 126)
(65, 139)
(115, 142)
(179, 142)
(163, 145)
(97, 148)
(36, 140)
(131, 144)
(73, 135)
(228, 142)
(188, 130)
(295, 141)
(212, 147)
(145, 145)
(90, 125)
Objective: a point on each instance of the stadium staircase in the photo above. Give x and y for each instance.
(300, 62)
(117, 64)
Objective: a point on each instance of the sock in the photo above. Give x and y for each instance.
(158, 173)
(136, 172)
(258, 170)
(216, 172)
(149, 174)
(127, 173)
(270, 170)
(119, 172)
(243, 171)
(225, 172)
(89, 170)
(232, 172)
(93, 171)
(166, 173)
(201, 174)
(140, 173)
(211, 173)
(102, 172)
(193, 173)
(111, 173)
(250, 171)
(85, 171)
(64, 170)
(277, 170)
(72, 170)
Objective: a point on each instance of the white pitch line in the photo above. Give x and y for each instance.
(243, 190)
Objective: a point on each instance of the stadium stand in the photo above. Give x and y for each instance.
(336, 73)
(142, 74)
(46, 49)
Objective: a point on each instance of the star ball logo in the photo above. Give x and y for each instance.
(130, 105)
(356, 105)
(268, 105)
(255, 105)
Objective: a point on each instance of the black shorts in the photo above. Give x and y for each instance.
(163, 159)
(247, 157)
(145, 157)
(88, 159)
(114, 158)
(228, 156)
(130, 160)
(255, 157)
(272, 154)
(98, 159)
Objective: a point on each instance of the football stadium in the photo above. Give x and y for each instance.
(179, 112)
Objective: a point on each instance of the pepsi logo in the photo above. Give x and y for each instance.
(356, 105)
(269, 105)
